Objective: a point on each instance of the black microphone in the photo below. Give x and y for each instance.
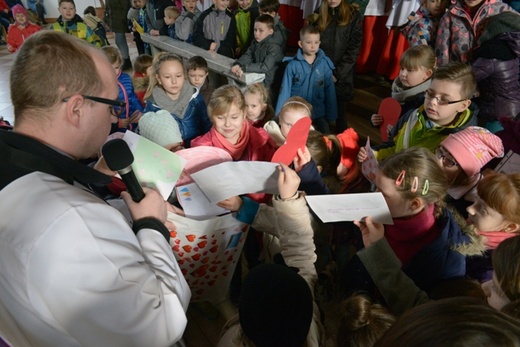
(119, 157)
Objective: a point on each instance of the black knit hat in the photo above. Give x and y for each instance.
(498, 24)
(275, 307)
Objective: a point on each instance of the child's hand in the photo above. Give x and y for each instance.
(101, 166)
(334, 79)
(302, 158)
(233, 204)
(212, 47)
(371, 232)
(134, 118)
(123, 123)
(362, 154)
(376, 119)
(154, 32)
(237, 70)
(288, 182)
(389, 128)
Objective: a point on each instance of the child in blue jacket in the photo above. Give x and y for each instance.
(133, 109)
(309, 75)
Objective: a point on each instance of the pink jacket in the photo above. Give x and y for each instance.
(17, 36)
(458, 34)
(259, 148)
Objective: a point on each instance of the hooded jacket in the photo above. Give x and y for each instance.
(458, 32)
(77, 28)
(421, 28)
(313, 82)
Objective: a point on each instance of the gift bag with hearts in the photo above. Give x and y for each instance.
(207, 252)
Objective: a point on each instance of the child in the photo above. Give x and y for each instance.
(264, 55)
(362, 322)
(216, 29)
(259, 111)
(245, 16)
(70, 23)
(497, 66)
(141, 77)
(421, 28)
(171, 13)
(280, 34)
(462, 156)
(137, 13)
(340, 26)
(417, 65)
(310, 75)
(133, 110)
(424, 233)
(197, 68)
(467, 16)
(293, 110)
(231, 131)
(4, 20)
(445, 110)
(185, 24)
(153, 13)
(494, 216)
(169, 91)
(20, 30)
(96, 24)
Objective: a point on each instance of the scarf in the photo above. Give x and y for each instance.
(494, 238)
(402, 93)
(176, 107)
(409, 235)
(235, 150)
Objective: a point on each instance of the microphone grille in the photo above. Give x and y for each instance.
(117, 154)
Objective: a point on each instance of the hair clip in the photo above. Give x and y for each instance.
(399, 180)
(296, 102)
(415, 184)
(426, 187)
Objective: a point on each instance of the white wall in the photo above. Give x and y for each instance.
(51, 6)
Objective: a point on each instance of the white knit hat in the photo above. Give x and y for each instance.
(160, 127)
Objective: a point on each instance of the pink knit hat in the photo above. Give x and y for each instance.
(473, 148)
(19, 9)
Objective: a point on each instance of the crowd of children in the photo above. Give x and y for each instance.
(451, 220)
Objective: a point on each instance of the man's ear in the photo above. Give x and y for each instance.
(74, 110)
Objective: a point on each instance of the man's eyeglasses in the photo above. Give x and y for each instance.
(440, 101)
(446, 161)
(116, 106)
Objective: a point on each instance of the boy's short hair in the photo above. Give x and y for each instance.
(69, 1)
(172, 11)
(418, 56)
(266, 19)
(197, 62)
(90, 10)
(268, 6)
(113, 54)
(142, 63)
(309, 29)
(459, 73)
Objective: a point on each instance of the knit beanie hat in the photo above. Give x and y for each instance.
(276, 307)
(498, 24)
(473, 148)
(16, 9)
(160, 127)
(198, 158)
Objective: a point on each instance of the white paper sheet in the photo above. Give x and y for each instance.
(225, 180)
(510, 164)
(195, 204)
(349, 207)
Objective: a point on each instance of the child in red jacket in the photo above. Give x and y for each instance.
(20, 30)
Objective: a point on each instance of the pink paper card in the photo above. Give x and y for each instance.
(296, 138)
(370, 165)
(390, 109)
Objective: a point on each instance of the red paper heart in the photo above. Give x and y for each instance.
(190, 237)
(203, 237)
(202, 244)
(195, 257)
(296, 139)
(176, 248)
(211, 283)
(390, 110)
(213, 249)
(213, 242)
(173, 234)
(187, 248)
(213, 268)
(181, 254)
(204, 260)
